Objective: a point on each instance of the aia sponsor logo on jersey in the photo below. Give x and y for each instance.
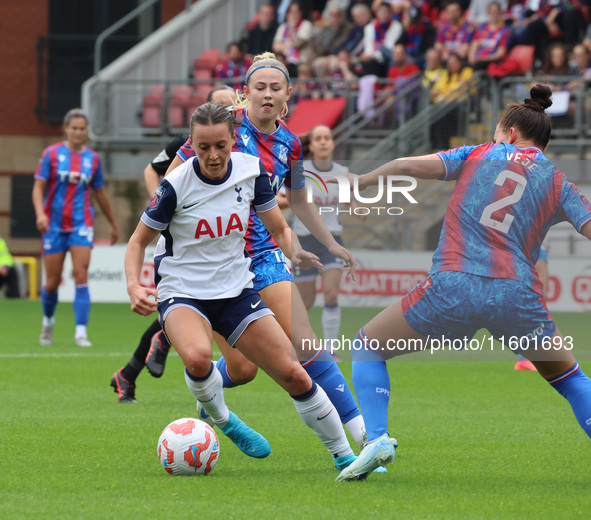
(218, 228)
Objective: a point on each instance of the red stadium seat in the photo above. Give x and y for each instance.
(178, 106)
(309, 113)
(152, 107)
(208, 59)
(524, 54)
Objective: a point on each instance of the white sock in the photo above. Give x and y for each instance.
(331, 322)
(210, 393)
(356, 427)
(80, 331)
(48, 321)
(320, 415)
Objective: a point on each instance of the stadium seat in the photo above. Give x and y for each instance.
(152, 107)
(178, 106)
(524, 54)
(208, 59)
(309, 113)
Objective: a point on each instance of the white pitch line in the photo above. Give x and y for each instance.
(67, 354)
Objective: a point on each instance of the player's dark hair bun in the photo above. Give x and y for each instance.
(540, 97)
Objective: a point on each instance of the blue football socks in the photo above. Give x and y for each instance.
(49, 302)
(575, 387)
(228, 382)
(372, 386)
(322, 368)
(81, 304)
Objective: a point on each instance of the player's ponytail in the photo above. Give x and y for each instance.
(530, 116)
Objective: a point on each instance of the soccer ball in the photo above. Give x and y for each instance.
(188, 447)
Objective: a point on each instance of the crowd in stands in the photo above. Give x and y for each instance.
(374, 45)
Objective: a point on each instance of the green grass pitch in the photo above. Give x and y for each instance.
(477, 439)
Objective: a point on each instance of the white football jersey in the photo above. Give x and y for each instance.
(323, 199)
(201, 252)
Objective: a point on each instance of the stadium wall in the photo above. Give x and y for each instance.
(22, 136)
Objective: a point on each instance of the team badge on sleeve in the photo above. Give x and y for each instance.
(156, 198)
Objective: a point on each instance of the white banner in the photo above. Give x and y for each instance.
(106, 275)
(382, 278)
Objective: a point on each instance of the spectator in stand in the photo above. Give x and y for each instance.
(329, 65)
(402, 66)
(419, 34)
(452, 78)
(490, 41)
(581, 65)
(518, 16)
(400, 72)
(587, 38)
(455, 75)
(555, 63)
(259, 39)
(330, 39)
(378, 40)
(343, 76)
(456, 34)
(233, 69)
(8, 273)
(304, 86)
(553, 20)
(478, 10)
(361, 16)
(342, 5)
(293, 38)
(433, 68)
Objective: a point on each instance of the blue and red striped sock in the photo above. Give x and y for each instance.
(575, 387)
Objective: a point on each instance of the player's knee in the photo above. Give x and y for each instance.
(80, 275)
(52, 283)
(331, 296)
(243, 373)
(295, 379)
(198, 363)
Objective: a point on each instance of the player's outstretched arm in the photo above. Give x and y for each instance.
(422, 167)
(134, 259)
(307, 212)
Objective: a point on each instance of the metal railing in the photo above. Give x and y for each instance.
(112, 96)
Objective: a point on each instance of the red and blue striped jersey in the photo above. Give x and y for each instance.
(452, 37)
(490, 39)
(69, 175)
(505, 200)
(279, 152)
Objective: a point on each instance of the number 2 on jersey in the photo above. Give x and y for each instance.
(504, 225)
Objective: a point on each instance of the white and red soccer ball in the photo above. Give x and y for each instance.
(188, 447)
